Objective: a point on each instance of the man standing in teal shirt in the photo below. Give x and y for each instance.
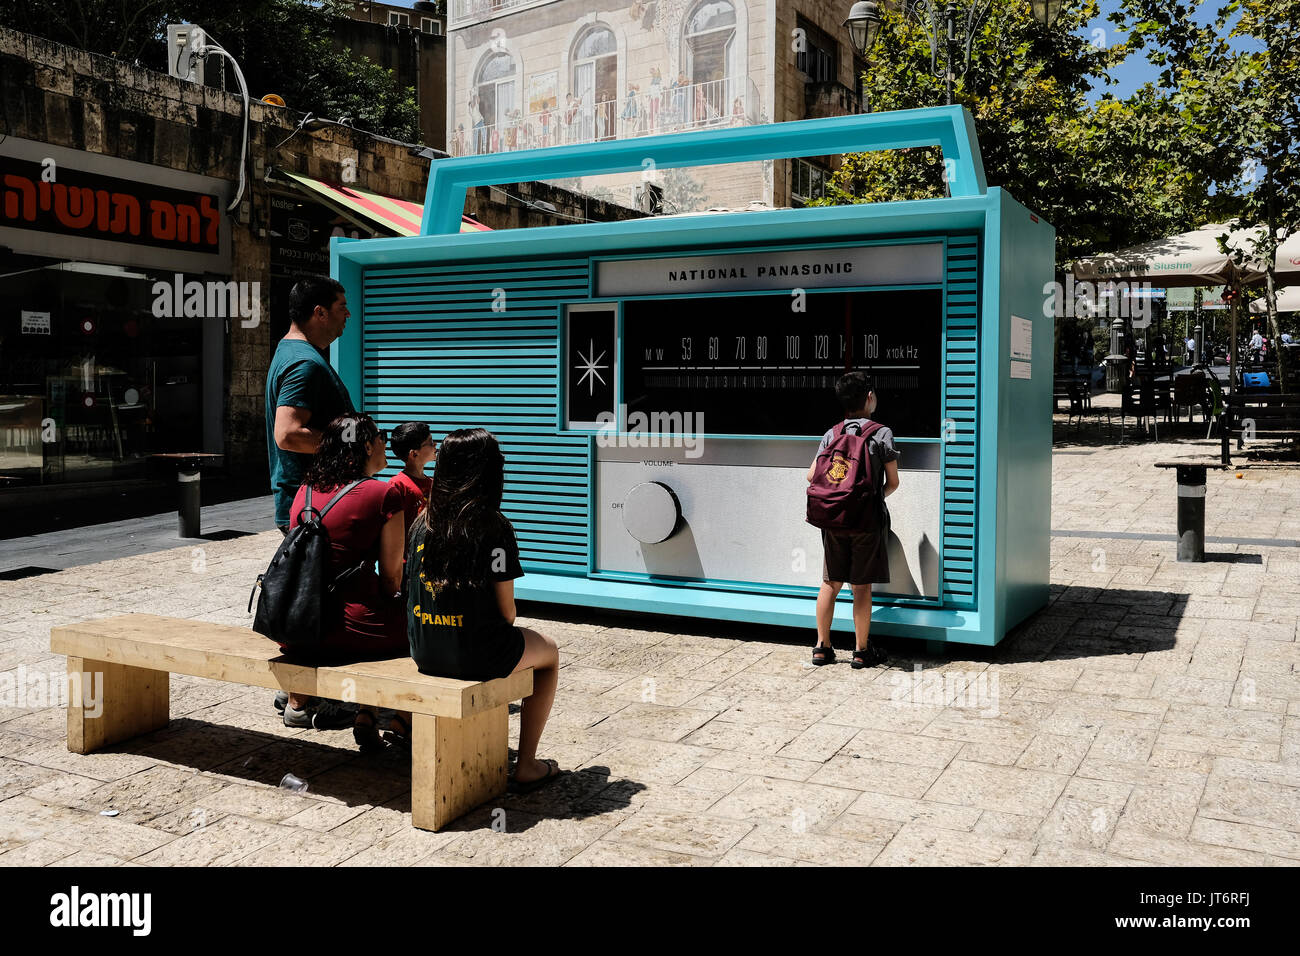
(303, 395)
(303, 392)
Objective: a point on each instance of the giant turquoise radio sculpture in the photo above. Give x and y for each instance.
(659, 385)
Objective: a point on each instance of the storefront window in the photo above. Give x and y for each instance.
(97, 371)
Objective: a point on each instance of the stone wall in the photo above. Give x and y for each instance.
(67, 97)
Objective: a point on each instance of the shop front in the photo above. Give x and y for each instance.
(115, 304)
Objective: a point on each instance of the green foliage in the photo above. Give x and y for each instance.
(282, 46)
(1243, 104)
(1103, 174)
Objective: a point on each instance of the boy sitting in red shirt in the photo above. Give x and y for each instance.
(413, 446)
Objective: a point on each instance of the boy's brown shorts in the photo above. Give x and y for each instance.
(856, 558)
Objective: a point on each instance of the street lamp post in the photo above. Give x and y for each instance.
(864, 21)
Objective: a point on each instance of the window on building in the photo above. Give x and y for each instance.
(595, 84)
(806, 182)
(492, 105)
(818, 60)
(396, 19)
(429, 25)
(711, 54)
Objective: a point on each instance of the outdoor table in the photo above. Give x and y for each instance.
(187, 464)
(1191, 506)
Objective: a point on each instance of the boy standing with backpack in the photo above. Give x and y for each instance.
(856, 468)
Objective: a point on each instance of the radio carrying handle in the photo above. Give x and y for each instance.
(951, 128)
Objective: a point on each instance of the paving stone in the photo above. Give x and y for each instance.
(1256, 802)
(223, 843)
(653, 761)
(881, 776)
(826, 848)
(1137, 844)
(1242, 836)
(706, 835)
(901, 748)
(39, 853)
(783, 802)
(609, 853)
(1053, 753)
(1008, 789)
(918, 844)
(819, 742)
(765, 738)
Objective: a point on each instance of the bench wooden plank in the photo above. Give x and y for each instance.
(239, 655)
(133, 701)
(456, 765)
(459, 729)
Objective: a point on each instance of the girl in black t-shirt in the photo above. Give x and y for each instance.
(461, 562)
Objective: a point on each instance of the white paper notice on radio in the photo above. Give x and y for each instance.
(1020, 369)
(35, 323)
(1022, 339)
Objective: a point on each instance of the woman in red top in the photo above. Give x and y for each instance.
(366, 616)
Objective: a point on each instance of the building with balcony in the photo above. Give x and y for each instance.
(524, 74)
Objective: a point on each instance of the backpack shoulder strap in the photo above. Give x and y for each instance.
(338, 497)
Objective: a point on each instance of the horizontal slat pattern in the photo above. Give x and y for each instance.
(961, 328)
(460, 347)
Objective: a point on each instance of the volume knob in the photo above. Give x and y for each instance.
(651, 512)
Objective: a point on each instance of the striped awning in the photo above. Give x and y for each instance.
(396, 216)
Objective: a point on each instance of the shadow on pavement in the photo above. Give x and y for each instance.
(334, 770)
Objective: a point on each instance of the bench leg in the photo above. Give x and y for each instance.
(116, 703)
(456, 765)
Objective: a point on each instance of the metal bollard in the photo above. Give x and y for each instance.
(188, 512)
(1191, 512)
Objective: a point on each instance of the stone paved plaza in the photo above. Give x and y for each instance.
(1149, 715)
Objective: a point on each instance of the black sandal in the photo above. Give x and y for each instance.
(823, 654)
(367, 734)
(869, 656)
(553, 773)
(399, 732)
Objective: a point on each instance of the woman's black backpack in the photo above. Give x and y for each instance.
(298, 581)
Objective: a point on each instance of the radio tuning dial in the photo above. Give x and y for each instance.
(651, 512)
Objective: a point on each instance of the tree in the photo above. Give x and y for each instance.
(1102, 174)
(285, 46)
(1245, 101)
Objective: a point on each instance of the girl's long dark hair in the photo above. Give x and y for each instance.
(342, 454)
(463, 522)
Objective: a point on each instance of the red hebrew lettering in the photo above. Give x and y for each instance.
(101, 210)
(187, 223)
(162, 219)
(74, 206)
(212, 215)
(126, 214)
(23, 188)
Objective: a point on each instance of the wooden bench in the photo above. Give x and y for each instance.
(1270, 414)
(458, 728)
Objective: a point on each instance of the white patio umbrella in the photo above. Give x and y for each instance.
(1193, 259)
(1288, 300)
(1190, 259)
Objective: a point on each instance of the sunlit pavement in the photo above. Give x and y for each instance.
(1149, 715)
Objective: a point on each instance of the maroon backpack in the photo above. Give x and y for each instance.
(843, 496)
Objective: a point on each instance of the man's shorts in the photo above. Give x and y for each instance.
(856, 558)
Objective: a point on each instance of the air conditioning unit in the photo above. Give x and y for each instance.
(184, 41)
